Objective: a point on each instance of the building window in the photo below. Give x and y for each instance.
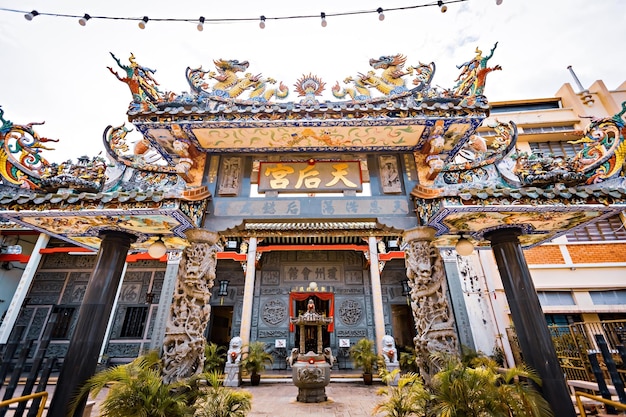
(556, 298)
(556, 148)
(61, 329)
(610, 228)
(615, 297)
(134, 322)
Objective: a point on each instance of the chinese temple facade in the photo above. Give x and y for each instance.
(264, 202)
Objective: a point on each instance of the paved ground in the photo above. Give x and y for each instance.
(278, 399)
(345, 399)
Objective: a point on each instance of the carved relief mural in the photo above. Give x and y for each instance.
(350, 312)
(230, 175)
(274, 312)
(389, 174)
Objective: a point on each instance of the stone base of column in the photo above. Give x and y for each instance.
(232, 375)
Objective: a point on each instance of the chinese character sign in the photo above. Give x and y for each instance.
(310, 177)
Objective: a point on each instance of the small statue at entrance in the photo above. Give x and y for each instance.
(234, 350)
(390, 352)
(310, 307)
(232, 368)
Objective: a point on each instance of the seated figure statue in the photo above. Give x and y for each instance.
(234, 350)
(390, 352)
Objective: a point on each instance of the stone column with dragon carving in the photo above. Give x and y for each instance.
(183, 346)
(432, 313)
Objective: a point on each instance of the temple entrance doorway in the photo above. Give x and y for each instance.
(403, 326)
(321, 307)
(220, 326)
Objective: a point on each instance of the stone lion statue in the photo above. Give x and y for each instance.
(293, 358)
(328, 355)
(234, 350)
(390, 352)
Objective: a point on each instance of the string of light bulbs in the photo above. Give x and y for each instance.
(201, 21)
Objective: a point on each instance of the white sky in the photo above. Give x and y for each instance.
(54, 70)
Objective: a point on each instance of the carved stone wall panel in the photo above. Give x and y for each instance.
(132, 293)
(157, 286)
(151, 321)
(38, 323)
(57, 349)
(311, 256)
(47, 287)
(146, 264)
(123, 350)
(270, 277)
(354, 277)
(350, 312)
(273, 333)
(75, 288)
(118, 321)
(274, 312)
(230, 175)
(389, 174)
(67, 261)
(350, 291)
(272, 291)
(352, 333)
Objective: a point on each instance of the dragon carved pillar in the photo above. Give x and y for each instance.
(183, 346)
(434, 321)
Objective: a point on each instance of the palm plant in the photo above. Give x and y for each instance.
(214, 357)
(222, 401)
(409, 397)
(137, 390)
(255, 360)
(363, 356)
(478, 389)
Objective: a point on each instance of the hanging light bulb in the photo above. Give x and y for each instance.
(200, 24)
(157, 249)
(464, 247)
(381, 15)
(143, 22)
(83, 20)
(323, 16)
(262, 22)
(498, 2)
(29, 16)
(442, 6)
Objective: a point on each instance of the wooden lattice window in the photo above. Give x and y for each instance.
(134, 322)
(610, 228)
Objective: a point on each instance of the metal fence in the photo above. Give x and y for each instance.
(574, 342)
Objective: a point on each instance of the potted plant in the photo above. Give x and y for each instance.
(363, 356)
(254, 360)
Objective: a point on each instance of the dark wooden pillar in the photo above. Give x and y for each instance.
(82, 356)
(530, 323)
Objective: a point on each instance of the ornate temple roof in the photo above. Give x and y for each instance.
(466, 183)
